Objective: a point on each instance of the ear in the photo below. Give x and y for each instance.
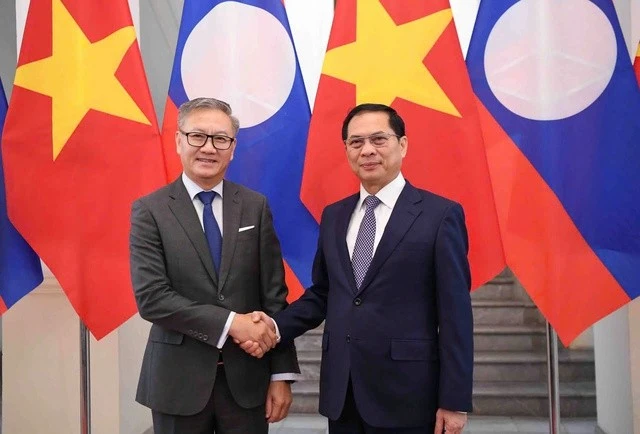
(178, 142)
(404, 144)
(233, 149)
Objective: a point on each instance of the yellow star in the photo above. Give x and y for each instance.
(385, 61)
(80, 76)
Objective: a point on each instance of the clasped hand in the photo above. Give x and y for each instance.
(255, 333)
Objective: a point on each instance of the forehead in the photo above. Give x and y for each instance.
(206, 119)
(367, 123)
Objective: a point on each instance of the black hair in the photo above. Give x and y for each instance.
(395, 121)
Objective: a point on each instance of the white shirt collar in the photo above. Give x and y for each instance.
(388, 194)
(193, 189)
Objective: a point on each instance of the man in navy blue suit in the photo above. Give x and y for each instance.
(391, 281)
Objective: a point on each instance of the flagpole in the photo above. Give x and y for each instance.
(553, 380)
(85, 381)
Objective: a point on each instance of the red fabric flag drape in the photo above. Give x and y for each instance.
(80, 144)
(446, 153)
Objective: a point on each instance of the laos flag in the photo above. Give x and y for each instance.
(20, 270)
(242, 52)
(560, 111)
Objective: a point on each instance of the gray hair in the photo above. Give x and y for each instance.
(207, 104)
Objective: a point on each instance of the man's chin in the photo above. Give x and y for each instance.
(372, 176)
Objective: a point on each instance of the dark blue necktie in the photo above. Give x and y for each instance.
(211, 228)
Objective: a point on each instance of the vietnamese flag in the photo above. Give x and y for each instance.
(80, 144)
(405, 54)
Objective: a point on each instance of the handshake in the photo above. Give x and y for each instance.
(255, 332)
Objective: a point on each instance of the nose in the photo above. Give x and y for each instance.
(208, 145)
(367, 148)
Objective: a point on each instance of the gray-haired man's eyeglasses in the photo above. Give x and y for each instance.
(198, 140)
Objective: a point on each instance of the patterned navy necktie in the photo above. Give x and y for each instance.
(211, 228)
(363, 249)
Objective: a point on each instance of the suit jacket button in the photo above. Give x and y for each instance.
(205, 337)
(357, 301)
(221, 297)
(348, 338)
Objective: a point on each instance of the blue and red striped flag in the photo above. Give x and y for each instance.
(636, 63)
(560, 109)
(242, 52)
(20, 270)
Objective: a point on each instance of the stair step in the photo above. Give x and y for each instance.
(505, 357)
(515, 329)
(305, 387)
(508, 337)
(497, 290)
(523, 366)
(577, 365)
(488, 337)
(577, 399)
(575, 356)
(305, 397)
(585, 389)
(505, 274)
(505, 312)
(311, 340)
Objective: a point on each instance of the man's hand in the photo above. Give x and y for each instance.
(252, 347)
(260, 334)
(449, 422)
(278, 401)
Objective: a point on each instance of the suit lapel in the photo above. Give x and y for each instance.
(402, 217)
(182, 208)
(342, 225)
(231, 210)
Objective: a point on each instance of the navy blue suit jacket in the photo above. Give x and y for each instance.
(406, 336)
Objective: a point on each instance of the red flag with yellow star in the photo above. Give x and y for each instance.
(406, 54)
(79, 145)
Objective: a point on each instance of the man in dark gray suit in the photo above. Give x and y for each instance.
(195, 280)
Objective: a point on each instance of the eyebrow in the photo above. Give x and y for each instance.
(377, 132)
(215, 133)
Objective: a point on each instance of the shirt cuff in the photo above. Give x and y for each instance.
(287, 376)
(278, 337)
(225, 330)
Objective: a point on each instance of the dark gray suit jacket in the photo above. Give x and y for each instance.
(177, 289)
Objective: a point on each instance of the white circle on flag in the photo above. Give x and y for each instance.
(549, 59)
(243, 55)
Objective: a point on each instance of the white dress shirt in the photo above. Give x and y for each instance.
(193, 189)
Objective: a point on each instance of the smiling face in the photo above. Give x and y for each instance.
(375, 166)
(207, 165)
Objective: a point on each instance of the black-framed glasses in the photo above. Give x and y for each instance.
(198, 139)
(378, 140)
